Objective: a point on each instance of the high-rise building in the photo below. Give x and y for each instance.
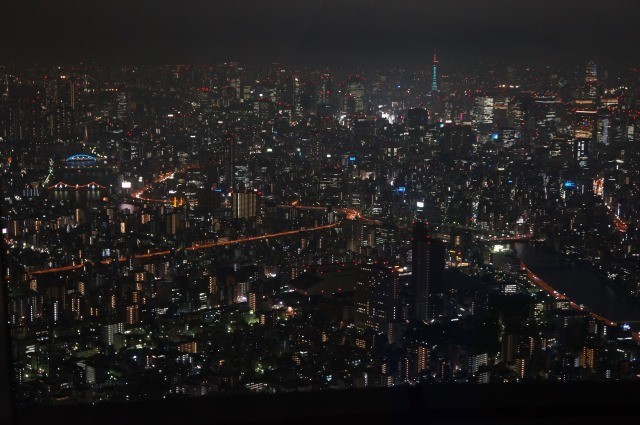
(584, 122)
(587, 359)
(376, 298)
(244, 204)
(591, 74)
(109, 332)
(483, 111)
(357, 235)
(174, 222)
(61, 121)
(5, 111)
(122, 106)
(416, 361)
(427, 273)
(354, 100)
(133, 314)
(457, 139)
(417, 121)
(476, 361)
(581, 149)
(209, 200)
(221, 158)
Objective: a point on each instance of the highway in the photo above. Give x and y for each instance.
(195, 247)
(620, 224)
(59, 269)
(163, 177)
(349, 214)
(562, 297)
(612, 308)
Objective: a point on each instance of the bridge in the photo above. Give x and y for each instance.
(82, 157)
(545, 286)
(511, 238)
(89, 186)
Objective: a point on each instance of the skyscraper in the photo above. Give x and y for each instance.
(427, 273)
(355, 94)
(109, 332)
(376, 298)
(244, 204)
(417, 121)
(591, 72)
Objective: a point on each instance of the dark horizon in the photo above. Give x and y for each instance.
(320, 32)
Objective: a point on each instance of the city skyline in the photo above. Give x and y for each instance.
(224, 228)
(204, 198)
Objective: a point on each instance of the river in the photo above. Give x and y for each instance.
(580, 284)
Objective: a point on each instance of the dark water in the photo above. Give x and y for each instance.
(580, 284)
(84, 175)
(83, 199)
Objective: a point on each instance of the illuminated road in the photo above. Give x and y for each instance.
(598, 189)
(542, 284)
(59, 269)
(522, 237)
(196, 247)
(558, 296)
(349, 213)
(579, 287)
(163, 177)
(620, 224)
(136, 194)
(262, 237)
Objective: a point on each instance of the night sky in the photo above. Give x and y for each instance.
(322, 31)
